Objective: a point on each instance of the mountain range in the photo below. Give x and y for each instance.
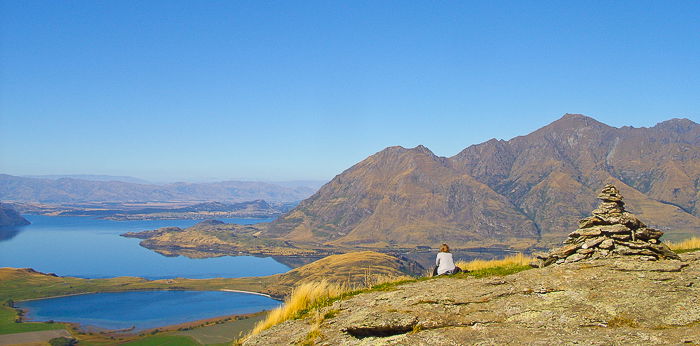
(72, 190)
(530, 190)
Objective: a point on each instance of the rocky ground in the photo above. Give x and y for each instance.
(603, 301)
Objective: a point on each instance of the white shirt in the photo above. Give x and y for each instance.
(444, 262)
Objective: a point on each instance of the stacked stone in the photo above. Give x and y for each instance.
(609, 232)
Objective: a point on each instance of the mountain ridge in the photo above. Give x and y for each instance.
(533, 186)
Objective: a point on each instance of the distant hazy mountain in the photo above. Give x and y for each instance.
(66, 190)
(312, 184)
(92, 177)
(529, 189)
(10, 217)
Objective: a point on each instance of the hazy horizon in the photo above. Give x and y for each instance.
(133, 179)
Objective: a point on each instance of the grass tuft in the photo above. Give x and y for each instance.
(312, 296)
(502, 270)
(303, 297)
(478, 264)
(688, 245)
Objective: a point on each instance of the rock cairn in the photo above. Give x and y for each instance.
(609, 232)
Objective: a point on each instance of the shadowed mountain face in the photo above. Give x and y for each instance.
(529, 189)
(10, 217)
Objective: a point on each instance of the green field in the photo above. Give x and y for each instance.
(223, 333)
(9, 326)
(163, 340)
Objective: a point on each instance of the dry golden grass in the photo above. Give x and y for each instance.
(375, 280)
(309, 295)
(686, 245)
(518, 259)
(301, 299)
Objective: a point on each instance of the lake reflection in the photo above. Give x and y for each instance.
(9, 232)
(92, 248)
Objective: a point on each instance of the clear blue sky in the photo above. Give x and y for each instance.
(281, 90)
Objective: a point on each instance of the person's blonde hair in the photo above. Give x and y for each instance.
(444, 248)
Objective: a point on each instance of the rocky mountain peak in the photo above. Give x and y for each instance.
(399, 150)
(678, 122)
(572, 123)
(397, 159)
(575, 116)
(422, 149)
(681, 126)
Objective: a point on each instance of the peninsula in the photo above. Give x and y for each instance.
(9, 217)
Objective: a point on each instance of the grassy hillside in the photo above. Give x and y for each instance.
(8, 316)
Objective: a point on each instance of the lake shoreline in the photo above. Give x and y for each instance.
(92, 248)
(150, 290)
(81, 325)
(129, 334)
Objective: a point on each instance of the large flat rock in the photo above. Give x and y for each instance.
(609, 301)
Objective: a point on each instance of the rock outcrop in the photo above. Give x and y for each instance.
(610, 301)
(610, 231)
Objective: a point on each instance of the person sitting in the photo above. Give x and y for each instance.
(444, 264)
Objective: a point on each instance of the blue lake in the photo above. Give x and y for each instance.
(92, 248)
(145, 309)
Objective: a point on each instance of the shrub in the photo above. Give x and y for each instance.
(62, 341)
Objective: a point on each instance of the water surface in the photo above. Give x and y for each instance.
(92, 248)
(144, 309)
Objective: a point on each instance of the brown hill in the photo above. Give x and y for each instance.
(407, 197)
(528, 189)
